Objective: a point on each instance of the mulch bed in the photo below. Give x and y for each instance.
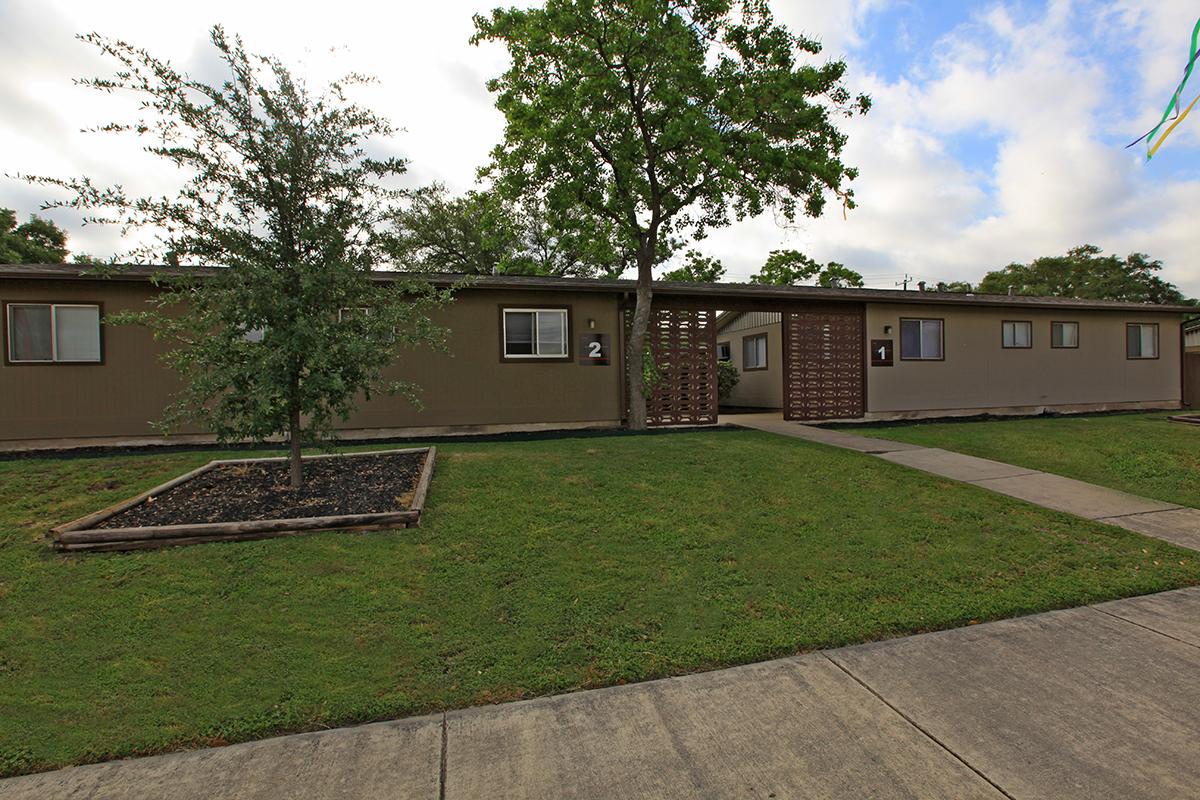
(363, 484)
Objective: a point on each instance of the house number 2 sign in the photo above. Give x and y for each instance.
(593, 350)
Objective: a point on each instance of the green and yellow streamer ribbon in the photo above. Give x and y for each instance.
(1153, 144)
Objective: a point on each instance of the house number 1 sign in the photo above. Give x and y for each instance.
(881, 353)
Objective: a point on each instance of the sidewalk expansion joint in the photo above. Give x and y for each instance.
(918, 726)
(442, 766)
(1140, 513)
(1145, 627)
(979, 481)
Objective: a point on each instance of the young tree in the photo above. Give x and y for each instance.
(664, 118)
(287, 328)
(481, 233)
(1086, 272)
(791, 267)
(38, 241)
(696, 268)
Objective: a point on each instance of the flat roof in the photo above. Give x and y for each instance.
(713, 292)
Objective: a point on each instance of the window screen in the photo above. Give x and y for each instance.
(1064, 334)
(921, 339)
(49, 333)
(551, 333)
(1141, 341)
(77, 333)
(535, 333)
(1017, 334)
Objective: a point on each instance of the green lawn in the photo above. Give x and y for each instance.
(1145, 454)
(542, 567)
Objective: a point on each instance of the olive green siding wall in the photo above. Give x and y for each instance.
(471, 385)
(757, 388)
(978, 373)
(468, 385)
(120, 397)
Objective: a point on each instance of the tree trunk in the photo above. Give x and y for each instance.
(296, 466)
(635, 355)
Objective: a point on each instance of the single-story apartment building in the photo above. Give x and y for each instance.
(538, 352)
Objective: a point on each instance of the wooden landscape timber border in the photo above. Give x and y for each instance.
(80, 535)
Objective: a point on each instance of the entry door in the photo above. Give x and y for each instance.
(823, 374)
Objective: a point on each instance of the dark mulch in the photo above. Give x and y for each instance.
(361, 484)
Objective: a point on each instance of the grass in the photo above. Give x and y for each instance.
(541, 567)
(1145, 454)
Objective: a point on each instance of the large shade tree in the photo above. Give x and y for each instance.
(38, 241)
(696, 268)
(482, 233)
(665, 118)
(285, 329)
(1085, 271)
(791, 267)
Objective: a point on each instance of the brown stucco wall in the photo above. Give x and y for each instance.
(757, 388)
(469, 385)
(978, 373)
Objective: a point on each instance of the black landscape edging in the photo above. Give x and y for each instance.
(904, 423)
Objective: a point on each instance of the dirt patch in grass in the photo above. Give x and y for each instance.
(259, 491)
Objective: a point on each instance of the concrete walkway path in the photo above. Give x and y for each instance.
(1100, 701)
(1173, 523)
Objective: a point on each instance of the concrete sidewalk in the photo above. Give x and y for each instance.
(1173, 523)
(1100, 701)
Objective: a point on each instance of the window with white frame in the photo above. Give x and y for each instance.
(1064, 334)
(754, 352)
(1016, 334)
(921, 340)
(53, 333)
(1141, 340)
(724, 351)
(535, 333)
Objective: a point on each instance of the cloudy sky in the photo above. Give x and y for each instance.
(996, 135)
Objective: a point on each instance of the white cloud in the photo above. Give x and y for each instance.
(1055, 179)
(1030, 86)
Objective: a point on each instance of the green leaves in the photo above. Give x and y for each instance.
(483, 233)
(665, 116)
(664, 119)
(696, 268)
(38, 241)
(1086, 272)
(278, 193)
(791, 267)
